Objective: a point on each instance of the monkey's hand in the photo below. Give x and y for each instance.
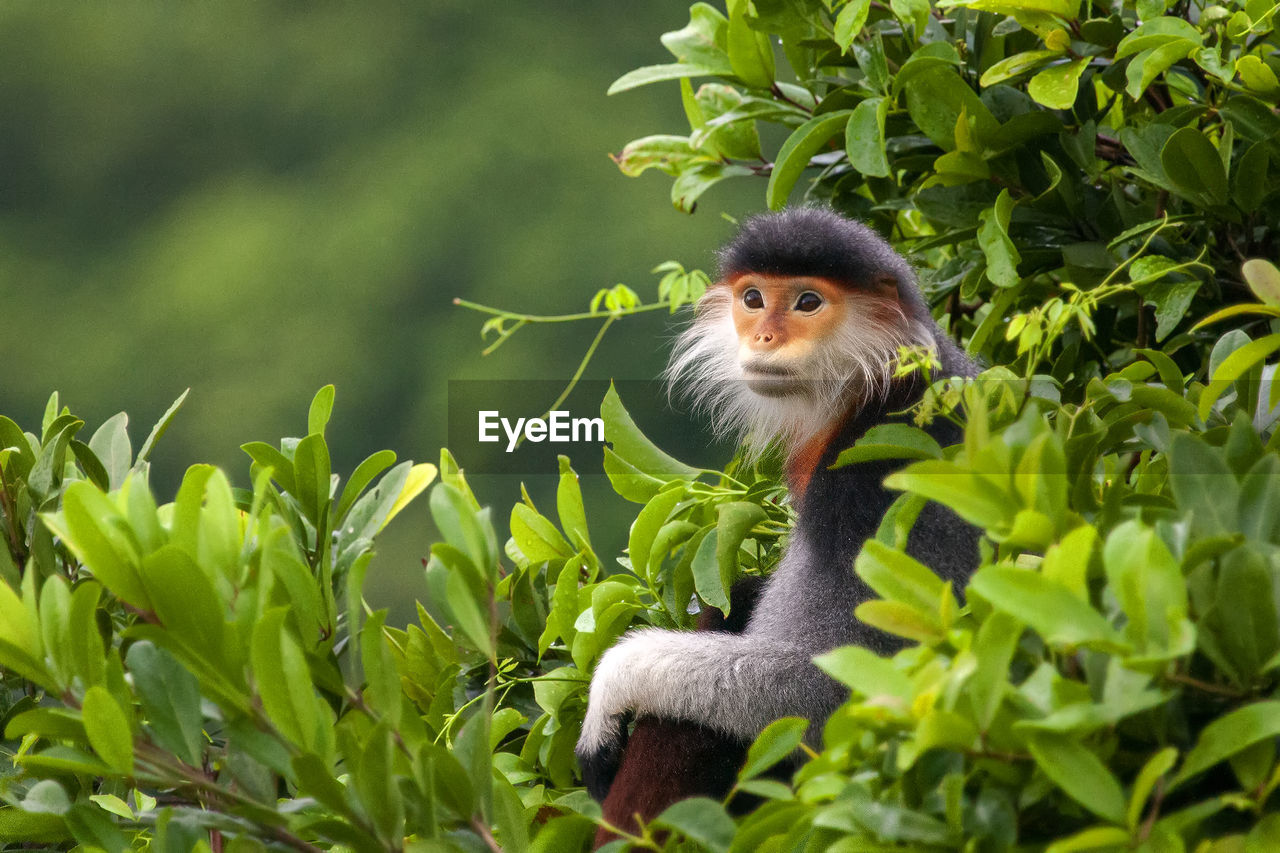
(617, 690)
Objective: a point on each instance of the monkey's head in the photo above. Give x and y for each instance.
(803, 323)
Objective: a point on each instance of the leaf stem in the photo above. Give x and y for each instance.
(561, 318)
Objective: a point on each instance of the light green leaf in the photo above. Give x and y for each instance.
(108, 729)
(852, 17)
(1079, 772)
(1229, 734)
(1263, 279)
(110, 443)
(573, 517)
(1017, 64)
(779, 739)
(1050, 608)
(321, 409)
(1056, 87)
(868, 674)
(1156, 766)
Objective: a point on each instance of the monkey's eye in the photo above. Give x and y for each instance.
(753, 300)
(809, 302)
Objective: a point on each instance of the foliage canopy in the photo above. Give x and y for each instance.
(1089, 192)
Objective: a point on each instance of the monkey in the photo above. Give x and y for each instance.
(794, 346)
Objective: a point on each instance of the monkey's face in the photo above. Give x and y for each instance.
(779, 356)
(783, 323)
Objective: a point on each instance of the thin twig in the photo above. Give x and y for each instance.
(560, 318)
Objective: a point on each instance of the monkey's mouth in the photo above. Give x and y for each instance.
(770, 380)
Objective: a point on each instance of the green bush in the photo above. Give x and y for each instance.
(1083, 194)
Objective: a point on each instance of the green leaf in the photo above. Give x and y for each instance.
(321, 409)
(1257, 76)
(646, 526)
(901, 620)
(311, 471)
(1263, 279)
(1171, 301)
(108, 729)
(707, 579)
(993, 648)
(94, 830)
(890, 441)
(269, 457)
(1148, 582)
(535, 536)
(1192, 162)
(95, 533)
(631, 446)
(672, 71)
(1092, 840)
(993, 236)
(692, 182)
(110, 444)
(1229, 734)
(1056, 87)
(17, 826)
(779, 739)
(734, 522)
(972, 497)
(804, 142)
(1050, 608)
(1259, 511)
(1079, 772)
(702, 820)
(937, 97)
(1017, 64)
(160, 428)
(864, 135)
(1144, 68)
(47, 472)
(360, 479)
(1203, 484)
(852, 17)
(185, 600)
(868, 674)
(1158, 765)
(18, 625)
(85, 650)
(898, 577)
(573, 518)
(1158, 32)
(466, 529)
(750, 54)
(170, 697)
(283, 682)
(46, 797)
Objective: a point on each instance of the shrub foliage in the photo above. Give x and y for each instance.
(1090, 194)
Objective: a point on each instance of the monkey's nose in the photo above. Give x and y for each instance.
(764, 337)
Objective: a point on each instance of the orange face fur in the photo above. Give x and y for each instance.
(782, 321)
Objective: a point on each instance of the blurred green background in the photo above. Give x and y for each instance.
(256, 199)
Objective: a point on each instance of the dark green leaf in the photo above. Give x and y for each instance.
(806, 141)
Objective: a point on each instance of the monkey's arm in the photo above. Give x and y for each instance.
(736, 684)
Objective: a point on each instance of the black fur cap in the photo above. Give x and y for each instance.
(817, 241)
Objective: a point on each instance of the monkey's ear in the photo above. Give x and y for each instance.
(885, 285)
